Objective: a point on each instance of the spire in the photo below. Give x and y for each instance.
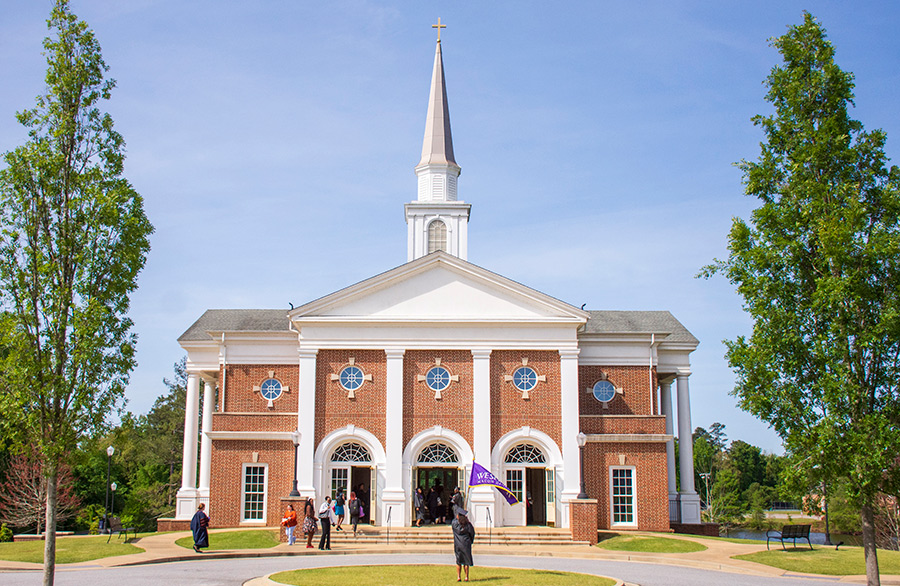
(437, 148)
(437, 221)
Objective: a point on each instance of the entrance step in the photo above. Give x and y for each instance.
(443, 535)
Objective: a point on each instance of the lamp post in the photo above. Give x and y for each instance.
(109, 454)
(295, 438)
(582, 439)
(705, 477)
(112, 507)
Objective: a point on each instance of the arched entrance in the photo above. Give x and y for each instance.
(351, 465)
(533, 483)
(437, 469)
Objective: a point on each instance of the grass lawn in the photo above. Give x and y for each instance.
(257, 539)
(647, 544)
(846, 562)
(417, 575)
(68, 550)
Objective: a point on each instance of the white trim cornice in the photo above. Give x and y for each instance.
(627, 438)
(251, 435)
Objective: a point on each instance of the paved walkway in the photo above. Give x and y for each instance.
(717, 556)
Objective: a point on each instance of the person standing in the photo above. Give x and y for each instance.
(309, 522)
(355, 509)
(433, 498)
(326, 517)
(363, 495)
(290, 524)
(463, 537)
(339, 502)
(419, 503)
(199, 525)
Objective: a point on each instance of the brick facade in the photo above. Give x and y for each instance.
(240, 379)
(638, 384)
(650, 486)
(421, 410)
(334, 409)
(226, 478)
(541, 410)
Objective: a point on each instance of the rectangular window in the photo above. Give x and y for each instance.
(514, 482)
(622, 495)
(339, 480)
(254, 493)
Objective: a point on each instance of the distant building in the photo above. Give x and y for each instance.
(406, 378)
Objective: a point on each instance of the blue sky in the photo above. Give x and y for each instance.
(274, 144)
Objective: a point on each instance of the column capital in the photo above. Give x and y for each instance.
(683, 373)
(481, 353)
(307, 352)
(569, 353)
(667, 380)
(394, 353)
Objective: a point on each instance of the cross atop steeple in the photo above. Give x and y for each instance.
(439, 26)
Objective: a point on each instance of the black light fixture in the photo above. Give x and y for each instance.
(109, 454)
(295, 438)
(582, 440)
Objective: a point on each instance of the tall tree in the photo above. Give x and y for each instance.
(817, 267)
(74, 237)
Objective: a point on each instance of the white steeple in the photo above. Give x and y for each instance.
(436, 220)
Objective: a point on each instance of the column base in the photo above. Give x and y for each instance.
(690, 508)
(186, 502)
(565, 497)
(482, 506)
(394, 500)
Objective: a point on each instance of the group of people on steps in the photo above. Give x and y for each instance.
(332, 513)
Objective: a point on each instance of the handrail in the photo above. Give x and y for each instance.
(488, 522)
(389, 525)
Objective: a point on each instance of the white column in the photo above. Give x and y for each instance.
(306, 422)
(571, 481)
(209, 399)
(481, 498)
(187, 495)
(690, 500)
(665, 401)
(394, 495)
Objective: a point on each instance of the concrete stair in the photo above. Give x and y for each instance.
(443, 535)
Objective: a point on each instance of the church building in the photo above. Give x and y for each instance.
(407, 378)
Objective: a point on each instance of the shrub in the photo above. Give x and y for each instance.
(6, 534)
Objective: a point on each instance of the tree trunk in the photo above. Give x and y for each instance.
(50, 534)
(868, 535)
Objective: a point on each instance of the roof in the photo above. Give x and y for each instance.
(638, 322)
(236, 320)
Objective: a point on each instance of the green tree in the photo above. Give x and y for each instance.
(74, 237)
(817, 267)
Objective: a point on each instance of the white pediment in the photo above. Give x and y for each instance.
(439, 287)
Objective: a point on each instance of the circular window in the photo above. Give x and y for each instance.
(438, 378)
(270, 389)
(352, 378)
(525, 378)
(604, 391)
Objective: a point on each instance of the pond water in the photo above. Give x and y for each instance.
(815, 538)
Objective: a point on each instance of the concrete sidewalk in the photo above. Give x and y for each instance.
(717, 556)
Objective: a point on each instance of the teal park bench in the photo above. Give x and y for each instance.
(789, 532)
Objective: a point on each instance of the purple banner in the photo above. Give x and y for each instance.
(481, 476)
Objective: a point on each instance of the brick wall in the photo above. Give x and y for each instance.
(241, 378)
(638, 398)
(421, 410)
(583, 520)
(651, 488)
(334, 410)
(228, 457)
(254, 422)
(541, 411)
